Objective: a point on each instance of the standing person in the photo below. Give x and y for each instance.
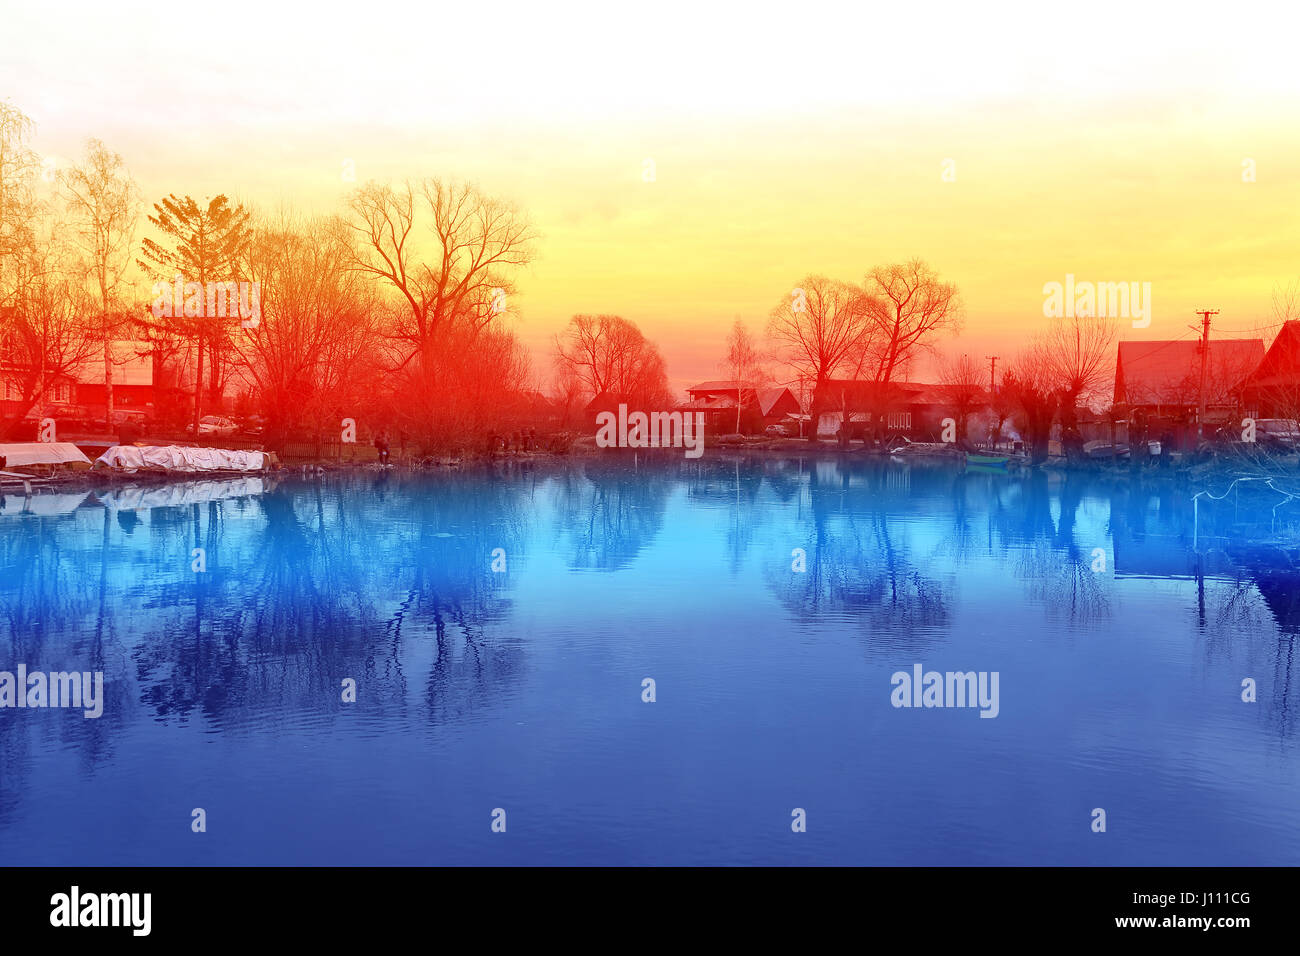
(381, 444)
(1166, 447)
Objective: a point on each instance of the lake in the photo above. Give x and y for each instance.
(499, 625)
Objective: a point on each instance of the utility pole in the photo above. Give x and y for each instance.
(993, 364)
(1205, 358)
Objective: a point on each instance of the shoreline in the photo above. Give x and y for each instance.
(15, 479)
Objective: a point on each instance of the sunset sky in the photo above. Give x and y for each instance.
(1104, 140)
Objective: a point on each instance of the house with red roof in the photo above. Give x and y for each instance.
(1163, 379)
(1272, 390)
(1158, 385)
(759, 407)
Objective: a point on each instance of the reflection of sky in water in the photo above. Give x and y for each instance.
(522, 690)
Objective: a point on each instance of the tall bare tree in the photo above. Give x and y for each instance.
(910, 308)
(1078, 353)
(314, 346)
(44, 339)
(962, 379)
(462, 274)
(819, 327)
(18, 205)
(104, 205)
(742, 363)
(611, 356)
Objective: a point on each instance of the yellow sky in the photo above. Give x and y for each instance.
(1105, 140)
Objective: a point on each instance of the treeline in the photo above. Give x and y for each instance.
(873, 333)
(393, 313)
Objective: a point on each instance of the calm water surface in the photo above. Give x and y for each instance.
(1120, 670)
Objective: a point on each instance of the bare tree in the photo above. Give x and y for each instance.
(313, 348)
(910, 308)
(465, 276)
(1078, 352)
(611, 356)
(742, 363)
(818, 328)
(1029, 384)
(18, 205)
(105, 205)
(44, 339)
(566, 388)
(1286, 302)
(962, 379)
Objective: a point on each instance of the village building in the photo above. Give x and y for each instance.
(1158, 386)
(1272, 390)
(759, 407)
(914, 410)
(133, 382)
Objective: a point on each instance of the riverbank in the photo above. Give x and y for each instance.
(363, 459)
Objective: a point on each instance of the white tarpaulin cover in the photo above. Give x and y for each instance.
(130, 458)
(181, 493)
(42, 453)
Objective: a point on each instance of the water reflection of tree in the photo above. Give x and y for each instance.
(734, 485)
(859, 558)
(51, 594)
(340, 579)
(1057, 570)
(607, 512)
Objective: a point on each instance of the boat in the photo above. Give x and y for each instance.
(1101, 450)
(987, 460)
(184, 459)
(44, 456)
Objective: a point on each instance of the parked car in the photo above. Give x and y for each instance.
(214, 425)
(777, 431)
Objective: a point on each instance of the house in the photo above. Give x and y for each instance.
(1272, 390)
(19, 378)
(1158, 385)
(531, 409)
(1164, 378)
(913, 409)
(57, 400)
(759, 407)
(133, 385)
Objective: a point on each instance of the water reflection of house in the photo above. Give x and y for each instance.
(1153, 556)
(914, 409)
(759, 407)
(1160, 383)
